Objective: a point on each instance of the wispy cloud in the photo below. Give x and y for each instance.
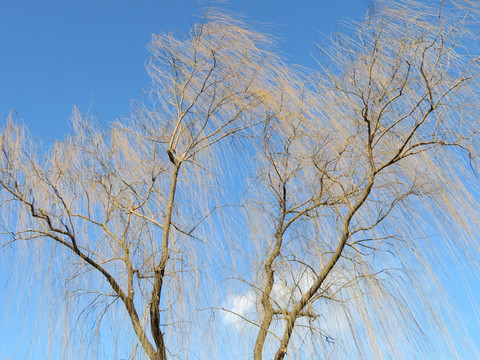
(239, 306)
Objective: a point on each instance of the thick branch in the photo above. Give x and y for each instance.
(160, 269)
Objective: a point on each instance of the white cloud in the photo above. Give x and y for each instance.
(239, 306)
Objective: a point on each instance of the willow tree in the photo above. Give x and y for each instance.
(122, 206)
(371, 189)
(248, 208)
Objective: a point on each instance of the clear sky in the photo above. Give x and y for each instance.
(55, 54)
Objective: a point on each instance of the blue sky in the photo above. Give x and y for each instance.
(54, 54)
(91, 53)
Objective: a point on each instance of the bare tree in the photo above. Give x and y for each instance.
(288, 213)
(124, 203)
(391, 132)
